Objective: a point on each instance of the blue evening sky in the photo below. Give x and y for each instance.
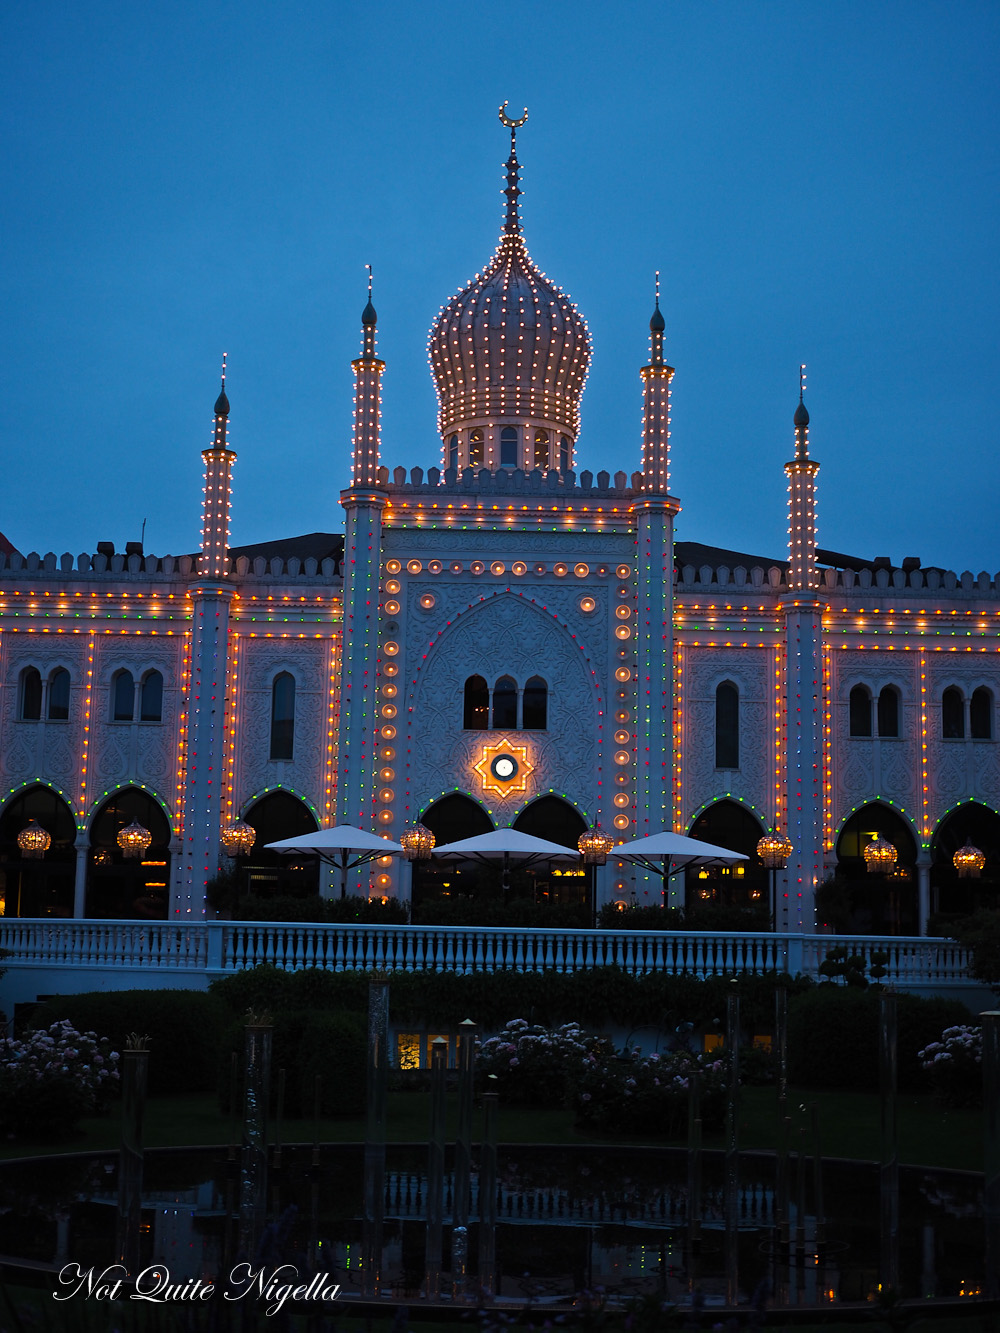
(816, 181)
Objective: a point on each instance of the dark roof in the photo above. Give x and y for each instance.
(697, 554)
(5, 546)
(319, 545)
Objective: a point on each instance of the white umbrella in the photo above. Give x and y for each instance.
(506, 845)
(665, 853)
(343, 846)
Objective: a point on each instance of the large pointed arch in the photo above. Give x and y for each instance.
(34, 886)
(276, 814)
(731, 824)
(126, 886)
(878, 903)
(452, 817)
(968, 822)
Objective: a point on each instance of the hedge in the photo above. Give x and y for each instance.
(304, 1044)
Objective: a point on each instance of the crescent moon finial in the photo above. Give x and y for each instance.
(506, 120)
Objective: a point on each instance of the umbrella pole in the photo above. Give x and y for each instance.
(343, 875)
(506, 877)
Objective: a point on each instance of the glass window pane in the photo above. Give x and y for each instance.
(476, 716)
(727, 726)
(981, 715)
(508, 447)
(860, 707)
(31, 695)
(952, 714)
(535, 705)
(151, 698)
(505, 703)
(283, 716)
(59, 696)
(124, 701)
(888, 712)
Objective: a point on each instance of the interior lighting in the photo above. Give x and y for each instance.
(238, 838)
(969, 861)
(595, 846)
(134, 840)
(417, 843)
(880, 856)
(34, 841)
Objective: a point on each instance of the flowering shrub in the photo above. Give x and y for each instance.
(955, 1065)
(649, 1094)
(49, 1079)
(533, 1064)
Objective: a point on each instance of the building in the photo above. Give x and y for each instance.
(498, 637)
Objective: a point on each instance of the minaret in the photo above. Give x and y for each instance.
(803, 690)
(363, 502)
(211, 595)
(655, 509)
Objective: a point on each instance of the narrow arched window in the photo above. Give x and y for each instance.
(535, 705)
(123, 697)
(453, 452)
(476, 716)
(475, 448)
(981, 715)
(31, 695)
(58, 710)
(508, 447)
(505, 703)
(564, 453)
(888, 712)
(860, 710)
(541, 458)
(727, 726)
(151, 697)
(283, 716)
(952, 714)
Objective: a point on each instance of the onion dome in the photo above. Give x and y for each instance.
(511, 346)
(801, 417)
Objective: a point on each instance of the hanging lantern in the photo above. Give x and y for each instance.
(595, 846)
(33, 840)
(417, 843)
(134, 840)
(969, 861)
(238, 838)
(880, 856)
(774, 850)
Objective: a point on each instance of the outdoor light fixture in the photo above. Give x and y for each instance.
(103, 858)
(504, 768)
(238, 838)
(880, 856)
(595, 846)
(417, 843)
(33, 840)
(774, 850)
(134, 840)
(968, 861)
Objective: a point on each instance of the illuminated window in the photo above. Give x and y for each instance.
(475, 448)
(727, 726)
(508, 447)
(31, 695)
(477, 704)
(453, 452)
(564, 453)
(123, 696)
(981, 715)
(860, 711)
(151, 697)
(952, 714)
(535, 704)
(58, 709)
(505, 703)
(541, 449)
(408, 1050)
(283, 716)
(888, 712)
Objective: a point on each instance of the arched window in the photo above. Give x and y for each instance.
(477, 704)
(505, 703)
(122, 886)
(535, 705)
(151, 697)
(453, 451)
(981, 715)
(58, 710)
(564, 453)
(123, 697)
(952, 714)
(283, 716)
(860, 710)
(508, 447)
(541, 458)
(475, 448)
(727, 726)
(888, 712)
(31, 695)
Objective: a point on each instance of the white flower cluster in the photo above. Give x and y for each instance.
(958, 1044)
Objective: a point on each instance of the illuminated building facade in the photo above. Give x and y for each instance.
(498, 638)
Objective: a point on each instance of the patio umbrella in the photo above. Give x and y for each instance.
(343, 846)
(665, 853)
(506, 845)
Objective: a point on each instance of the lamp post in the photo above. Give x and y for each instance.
(417, 843)
(774, 850)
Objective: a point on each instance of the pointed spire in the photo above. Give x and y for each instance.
(221, 431)
(657, 324)
(801, 420)
(222, 402)
(512, 221)
(368, 320)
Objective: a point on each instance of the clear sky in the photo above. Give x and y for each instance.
(817, 182)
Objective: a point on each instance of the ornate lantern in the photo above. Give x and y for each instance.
(417, 843)
(968, 861)
(774, 850)
(880, 856)
(33, 840)
(238, 838)
(595, 846)
(134, 840)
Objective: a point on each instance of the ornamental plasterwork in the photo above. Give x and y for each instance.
(485, 544)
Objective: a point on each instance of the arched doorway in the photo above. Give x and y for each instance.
(450, 819)
(555, 820)
(950, 895)
(121, 886)
(877, 904)
(37, 885)
(743, 886)
(263, 874)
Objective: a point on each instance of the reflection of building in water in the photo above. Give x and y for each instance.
(503, 634)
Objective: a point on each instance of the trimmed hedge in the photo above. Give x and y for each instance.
(313, 909)
(304, 1044)
(184, 1027)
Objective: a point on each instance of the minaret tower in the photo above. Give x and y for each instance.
(803, 689)
(211, 595)
(655, 509)
(364, 502)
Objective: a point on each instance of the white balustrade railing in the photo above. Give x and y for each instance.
(192, 953)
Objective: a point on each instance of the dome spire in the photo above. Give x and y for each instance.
(512, 221)
(801, 420)
(368, 320)
(656, 326)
